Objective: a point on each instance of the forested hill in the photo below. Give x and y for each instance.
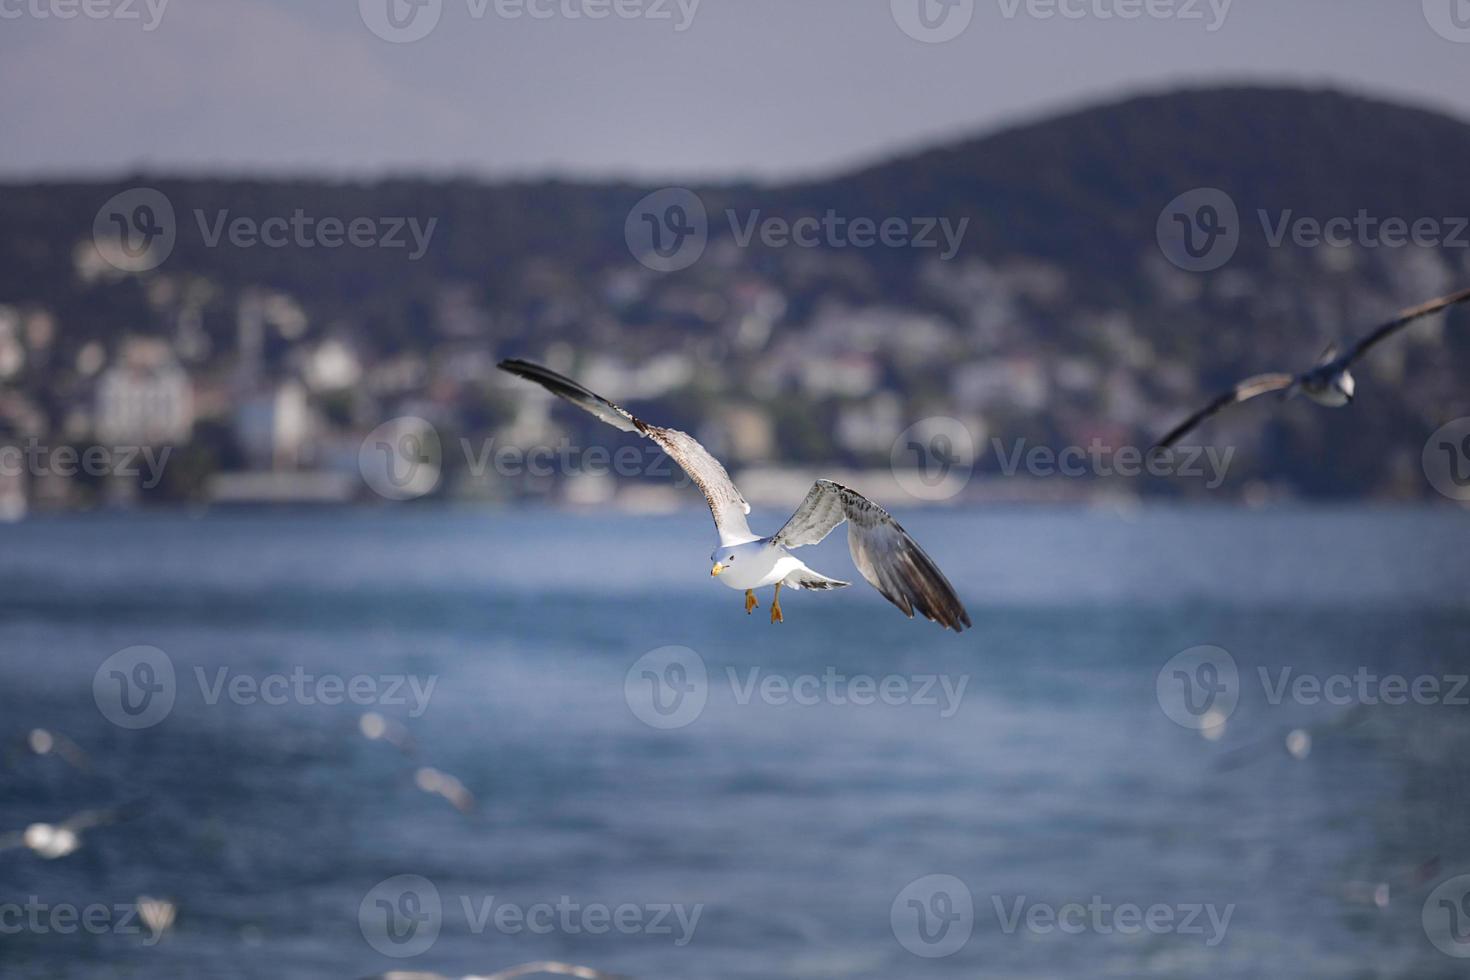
(1057, 318)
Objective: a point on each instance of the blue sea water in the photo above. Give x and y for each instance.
(798, 831)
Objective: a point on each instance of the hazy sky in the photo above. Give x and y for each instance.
(655, 88)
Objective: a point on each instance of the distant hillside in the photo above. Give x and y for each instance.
(1059, 284)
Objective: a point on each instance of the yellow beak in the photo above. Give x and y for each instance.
(716, 570)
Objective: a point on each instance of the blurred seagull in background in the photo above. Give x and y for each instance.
(524, 970)
(43, 742)
(158, 914)
(1380, 893)
(377, 728)
(1296, 742)
(1330, 383)
(440, 783)
(890, 560)
(52, 841)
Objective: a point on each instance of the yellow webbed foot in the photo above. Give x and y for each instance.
(776, 616)
(750, 602)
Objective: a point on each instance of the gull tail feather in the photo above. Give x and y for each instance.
(805, 578)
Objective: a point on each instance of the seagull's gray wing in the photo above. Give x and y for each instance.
(1245, 391)
(526, 969)
(1404, 318)
(726, 504)
(549, 966)
(891, 561)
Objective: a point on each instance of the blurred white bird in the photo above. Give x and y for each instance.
(524, 970)
(158, 914)
(1330, 383)
(52, 841)
(439, 783)
(43, 743)
(379, 728)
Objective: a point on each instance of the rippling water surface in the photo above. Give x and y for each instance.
(1044, 772)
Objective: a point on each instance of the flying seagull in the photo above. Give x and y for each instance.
(891, 561)
(440, 783)
(52, 841)
(524, 970)
(43, 742)
(1329, 383)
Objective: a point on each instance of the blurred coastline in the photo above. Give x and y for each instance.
(205, 364)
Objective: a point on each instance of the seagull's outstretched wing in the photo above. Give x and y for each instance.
(1404, 318)
(725, 503)
(891, 561)
(524, 970)
(559, 969)
(1245, 391)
